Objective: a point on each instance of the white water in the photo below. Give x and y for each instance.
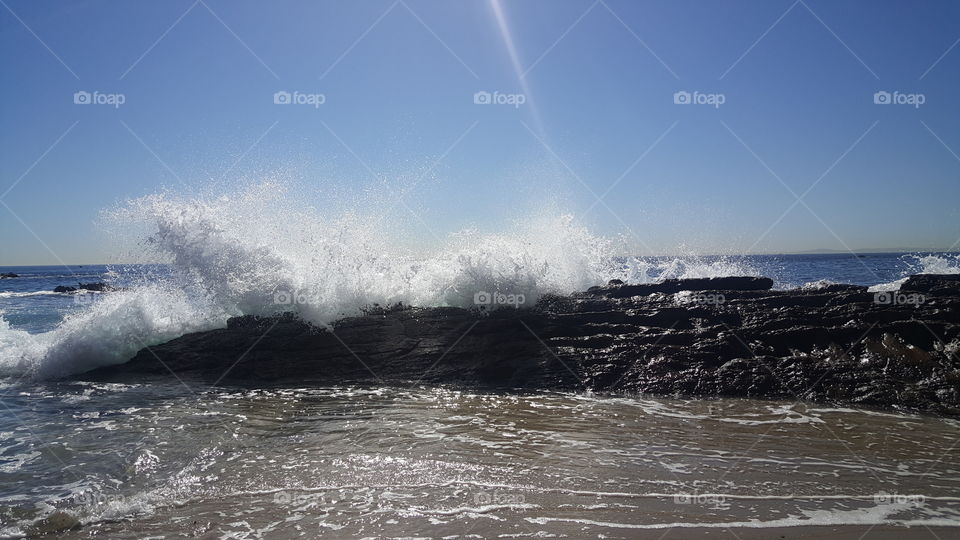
(110, 331)
(441, 462)
(260, 251)
(923, 264)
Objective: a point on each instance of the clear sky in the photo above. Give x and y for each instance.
(788, 110)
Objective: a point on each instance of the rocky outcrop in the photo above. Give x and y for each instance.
(933, 284)
(8, 275)
(670, 286)
(95, 287)
(714, 337)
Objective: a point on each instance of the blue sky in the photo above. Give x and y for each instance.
(797, 81)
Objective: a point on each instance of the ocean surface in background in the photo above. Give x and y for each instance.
(177, 457)
(28, 303)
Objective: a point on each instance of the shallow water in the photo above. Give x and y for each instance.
(165, 458)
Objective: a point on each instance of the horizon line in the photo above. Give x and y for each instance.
(820, 251)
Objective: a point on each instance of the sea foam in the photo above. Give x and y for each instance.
(922, 264)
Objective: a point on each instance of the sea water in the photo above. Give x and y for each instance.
(165, 457)
(170, 456)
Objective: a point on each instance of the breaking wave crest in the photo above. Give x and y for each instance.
(259, 251)
(922, 264)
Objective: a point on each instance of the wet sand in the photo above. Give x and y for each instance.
(848, 532)
(384, 462)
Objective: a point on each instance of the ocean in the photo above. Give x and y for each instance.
(176, 457)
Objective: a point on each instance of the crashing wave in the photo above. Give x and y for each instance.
(922, 264)
(259, 251)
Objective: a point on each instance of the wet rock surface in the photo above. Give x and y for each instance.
(706, 337)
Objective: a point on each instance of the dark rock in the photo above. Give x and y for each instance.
(96, 287)
(99, 287)
(932, 284)
(7, 275)
(732, 337)
(671, 286)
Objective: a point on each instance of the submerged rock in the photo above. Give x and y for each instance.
(700, 337)
(57, 522)
(7, 275)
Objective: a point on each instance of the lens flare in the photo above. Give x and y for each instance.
(508, 42)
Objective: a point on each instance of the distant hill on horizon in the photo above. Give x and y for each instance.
(870, 250)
